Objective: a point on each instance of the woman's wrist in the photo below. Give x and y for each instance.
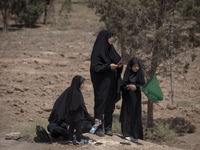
(127, 87)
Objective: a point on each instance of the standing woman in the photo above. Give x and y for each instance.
(105, 70)
(130, 116)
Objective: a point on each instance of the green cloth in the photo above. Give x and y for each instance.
(152, 89)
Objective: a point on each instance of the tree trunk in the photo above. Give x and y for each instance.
(154, 66)
(150, 114)
(154, 63)
(171, 45)
(6, 16)
(123, 49)
(48, 11)
(5, 11)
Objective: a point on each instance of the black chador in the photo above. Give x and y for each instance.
(130, 116)
(69, 110)
(106, 81)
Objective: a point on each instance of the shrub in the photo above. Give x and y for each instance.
(28, 132)
(28, 11)
(161, 133)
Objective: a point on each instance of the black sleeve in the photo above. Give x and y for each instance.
(99, 66)
(87, 116)
(119, 70)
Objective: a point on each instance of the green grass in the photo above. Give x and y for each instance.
(116, 126)
(161, 133)
(184, 103)
(29, 130)
(198, 101)
(61, 26)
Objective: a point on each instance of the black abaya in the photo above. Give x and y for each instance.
(106, 81)
(130, 116)
(69, 107)
(59, 119)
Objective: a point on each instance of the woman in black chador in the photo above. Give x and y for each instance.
(69, 113)
(130, 116)
(105, 71)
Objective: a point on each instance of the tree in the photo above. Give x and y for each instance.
(48, 10)
(66, 8)
(5, 6)
(28, 11)
(141, 27)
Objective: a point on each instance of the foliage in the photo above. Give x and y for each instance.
(144, 30)
(116, 126)
(28, 11)
(142, 27)
(161, 133)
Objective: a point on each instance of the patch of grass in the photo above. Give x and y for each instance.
(61, 26)
(62, 51)
(29, 132)
(184, 103)
(161, 133)
(198, 101)
(116, 126)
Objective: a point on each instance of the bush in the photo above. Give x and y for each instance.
(28, 11)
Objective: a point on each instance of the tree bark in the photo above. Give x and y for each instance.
(6, 14)
(154, 61)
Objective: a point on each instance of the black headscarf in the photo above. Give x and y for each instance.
(136, 78)
(70, 99)
(75, 97)
(103, 50)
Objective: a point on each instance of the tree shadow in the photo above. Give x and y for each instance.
(179, 124)
(18, 27)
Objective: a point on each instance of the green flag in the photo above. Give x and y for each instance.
(152, 89)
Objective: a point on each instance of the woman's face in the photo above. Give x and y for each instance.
(110, 40)
(135, 67)
(82, 85)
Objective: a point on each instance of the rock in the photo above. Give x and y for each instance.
(171, 107)
(12, 136)
(46, 107)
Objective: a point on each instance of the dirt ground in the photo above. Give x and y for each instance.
(37, 65)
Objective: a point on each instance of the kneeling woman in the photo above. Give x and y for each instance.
(130, 116)
(69, 113)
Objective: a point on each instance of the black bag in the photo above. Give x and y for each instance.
(42, 134)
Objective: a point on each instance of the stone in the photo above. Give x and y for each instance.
(12, 136)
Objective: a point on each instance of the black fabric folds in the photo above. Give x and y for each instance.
(75, 97)
(70, 99)
(131, 110)
(106, 81)
(59, 112)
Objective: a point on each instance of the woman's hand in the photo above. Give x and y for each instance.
(120, 64)
(132, 87)
(113, 66)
